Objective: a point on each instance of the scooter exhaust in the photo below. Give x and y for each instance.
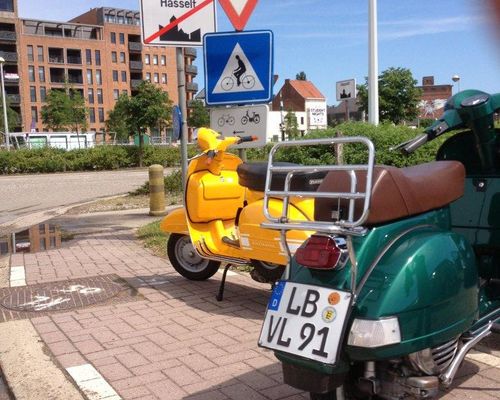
(446, 377)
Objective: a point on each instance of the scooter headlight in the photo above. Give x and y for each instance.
(374, 333)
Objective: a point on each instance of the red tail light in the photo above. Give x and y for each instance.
(320, 252)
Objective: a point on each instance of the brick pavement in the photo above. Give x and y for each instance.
(175, 341)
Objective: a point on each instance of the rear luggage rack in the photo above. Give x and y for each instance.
(348, 226)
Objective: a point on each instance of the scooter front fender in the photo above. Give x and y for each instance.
(175, 222)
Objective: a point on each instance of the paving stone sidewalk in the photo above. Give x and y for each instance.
(169, 338)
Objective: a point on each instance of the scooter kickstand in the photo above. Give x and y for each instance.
(220, 295)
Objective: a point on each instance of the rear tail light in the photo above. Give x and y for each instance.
(321, 252)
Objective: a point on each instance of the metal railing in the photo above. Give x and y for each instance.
(191, 69)
(135, 46)
(8, 56)
(8, 35)
(136, 65)
(350, 226)
(191, 87)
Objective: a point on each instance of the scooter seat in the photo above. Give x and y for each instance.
(396, 192)
(253, 176)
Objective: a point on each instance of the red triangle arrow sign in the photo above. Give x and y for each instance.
(238, 11)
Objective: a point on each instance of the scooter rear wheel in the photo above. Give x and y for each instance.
(271, 272)
(186, 261)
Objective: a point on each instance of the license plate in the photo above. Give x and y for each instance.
(305, 320)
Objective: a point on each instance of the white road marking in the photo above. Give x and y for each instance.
(91, 382)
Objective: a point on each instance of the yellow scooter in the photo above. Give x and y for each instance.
(224, 210)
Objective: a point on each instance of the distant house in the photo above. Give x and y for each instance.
(305, 100)
(338, 114)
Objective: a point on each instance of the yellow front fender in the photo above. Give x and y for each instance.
(175, 222)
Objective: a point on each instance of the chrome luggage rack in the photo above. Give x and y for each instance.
(349, 226)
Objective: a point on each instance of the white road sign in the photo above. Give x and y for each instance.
(346, 89)
(177, 22)
(241, 121)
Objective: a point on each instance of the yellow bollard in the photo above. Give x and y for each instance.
(156, 191)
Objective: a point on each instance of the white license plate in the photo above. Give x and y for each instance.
(305, 320)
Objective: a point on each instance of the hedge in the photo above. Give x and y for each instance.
(114, 157)
(92, 159)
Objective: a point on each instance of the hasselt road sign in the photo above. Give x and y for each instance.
(177, 22)
(241, 121)
(238, 67)
(238, 11)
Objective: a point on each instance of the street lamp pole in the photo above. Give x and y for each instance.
(456, 78)
(4, 104)
(373, 107)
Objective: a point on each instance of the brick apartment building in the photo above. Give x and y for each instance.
(98, 53)
(433, 98)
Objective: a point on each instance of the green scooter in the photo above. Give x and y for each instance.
(402, 277)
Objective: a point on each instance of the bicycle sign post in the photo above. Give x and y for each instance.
(238, 67)
(242, 121)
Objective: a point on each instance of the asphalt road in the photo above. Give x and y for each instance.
(21, 195)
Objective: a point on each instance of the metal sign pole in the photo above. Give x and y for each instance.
(181, 79)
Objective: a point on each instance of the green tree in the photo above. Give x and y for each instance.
(199, 115)
(398, 95)
(301, 76)
(12, 116)
(291, 125)
(150, 108)
(65, 110)
(117, 119)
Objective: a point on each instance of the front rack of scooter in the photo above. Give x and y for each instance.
(350, 226)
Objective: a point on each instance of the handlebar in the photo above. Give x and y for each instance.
(414, 144)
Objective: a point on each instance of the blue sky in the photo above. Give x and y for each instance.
(328, 39)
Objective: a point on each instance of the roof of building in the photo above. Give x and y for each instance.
(306, 89)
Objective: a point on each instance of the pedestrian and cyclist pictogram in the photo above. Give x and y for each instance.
(238, 67)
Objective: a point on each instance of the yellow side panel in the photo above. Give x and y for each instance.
(213, 197)
(175, 222)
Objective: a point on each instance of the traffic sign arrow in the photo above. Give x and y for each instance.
(238, 11)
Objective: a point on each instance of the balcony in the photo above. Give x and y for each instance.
(135, 83)
(191, 69)
(191, 87)
(136, 65)
(135, 47)
(9, 56)
(14, 98)
(190, 51)
(8, 35)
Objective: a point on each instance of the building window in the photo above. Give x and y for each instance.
(113, 37)
(90, 79)
(164, 78)
(155, 59)
(99, 96)
(124, 76)
(147, 59)
(156, 78)
(33, 94)
(92, 115)
(115, 76)
(125, 92)
(30, 54)
(302, 120)
(122, 38)
(113, 56)
(98, 77)
(7, 5)
(31, 73)
(91, 95)
(116, 94)
(98, 57)
(41, 74)
(40, 53)
(122, 57)
(34, 114)
(43, 93)
(101, 114)
(148, 76)
(163, 60)
(88, 56)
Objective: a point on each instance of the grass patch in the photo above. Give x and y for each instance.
(153, 238)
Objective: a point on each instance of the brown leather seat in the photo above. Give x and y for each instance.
(396, 192)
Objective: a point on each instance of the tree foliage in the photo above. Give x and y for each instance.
(199, 115)
(398, 95)
(291, 126)
(301, 76)
(65, 110)
(12, 116)
(116, 123)
(150, 108)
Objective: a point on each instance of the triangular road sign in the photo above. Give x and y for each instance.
(238, 11)
(232, 82)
